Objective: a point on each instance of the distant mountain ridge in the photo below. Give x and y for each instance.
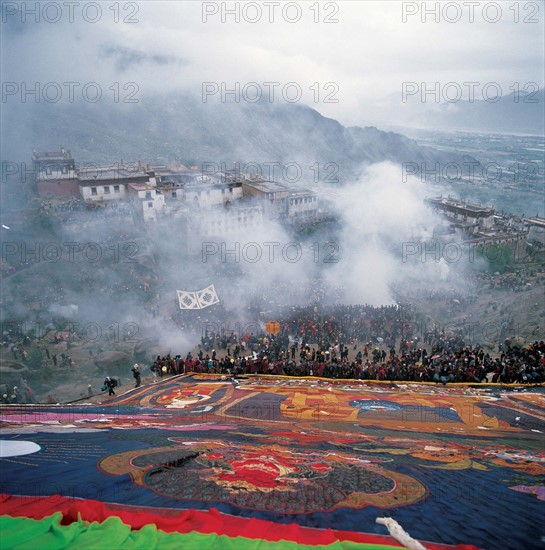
(183, 129)
(521, 112)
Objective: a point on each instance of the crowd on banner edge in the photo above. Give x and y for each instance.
(359, 342)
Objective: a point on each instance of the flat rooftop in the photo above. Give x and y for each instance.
(461, 205)
(63, 154)
(109, 173)
(536, 221)
(268, 186)
(174, 170)
(143, 187)
(276, 187)
(301, 192)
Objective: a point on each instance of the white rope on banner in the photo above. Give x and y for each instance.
(400, 534)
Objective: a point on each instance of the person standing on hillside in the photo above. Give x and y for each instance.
(137, 375)
(153, 370)
(110, 384)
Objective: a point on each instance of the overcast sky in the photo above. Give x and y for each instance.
(367, 53)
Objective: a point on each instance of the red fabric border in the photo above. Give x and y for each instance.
(184, 521)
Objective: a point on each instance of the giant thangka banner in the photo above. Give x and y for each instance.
(199, 299)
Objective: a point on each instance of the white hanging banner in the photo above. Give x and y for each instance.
(207, 296)
(187, 300)
(199, 299)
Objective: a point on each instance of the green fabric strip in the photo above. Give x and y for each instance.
(48, 534)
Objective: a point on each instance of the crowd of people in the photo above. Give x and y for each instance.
(358, 342)
(339, 342)
(16, 393)
(517, 282)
